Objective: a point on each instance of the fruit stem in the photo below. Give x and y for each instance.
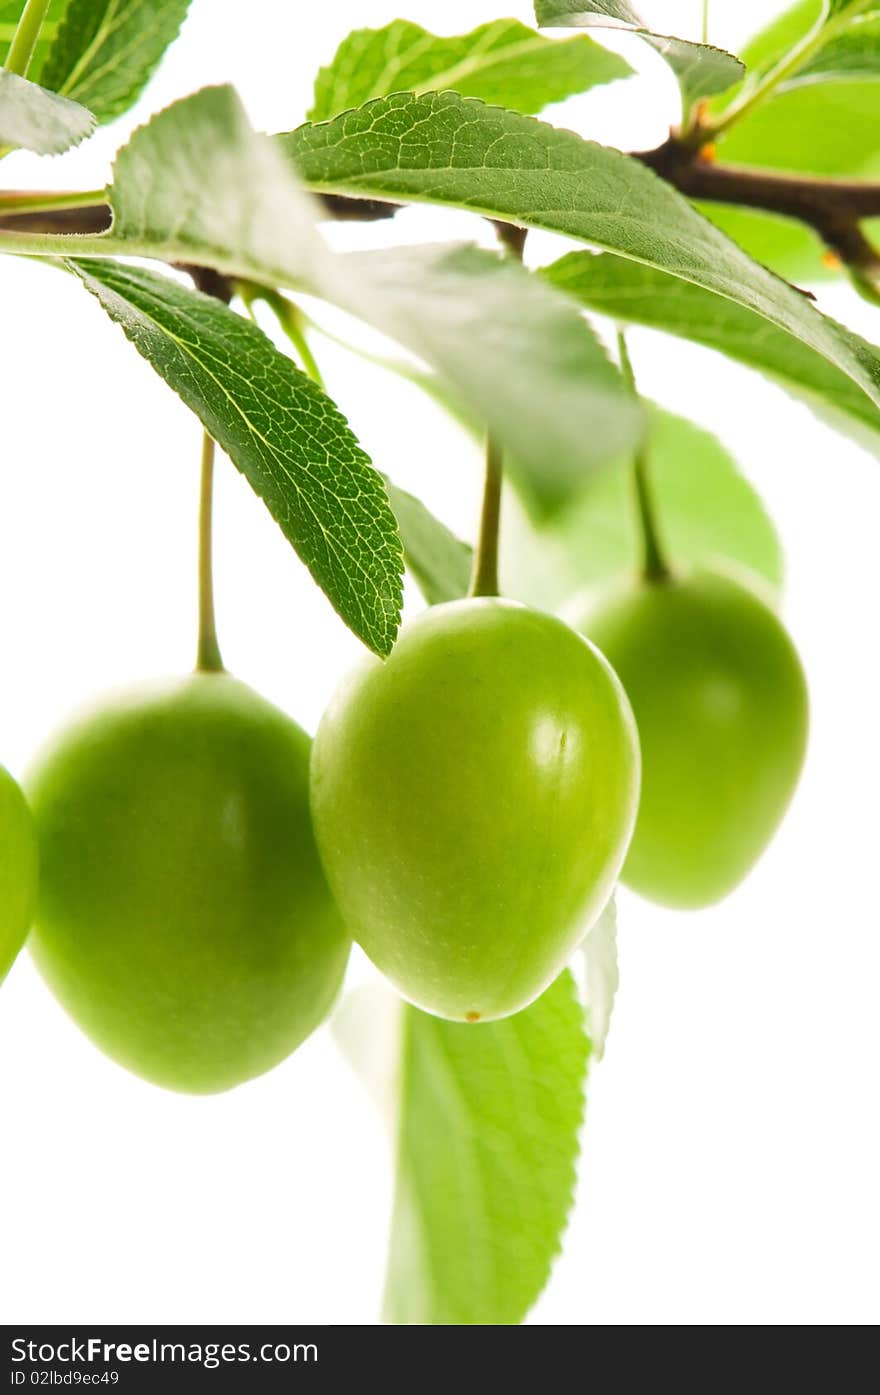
(24, 40)
(654, 566)
(208, 659)
(484, 578)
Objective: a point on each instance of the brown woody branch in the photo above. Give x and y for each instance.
(96, 218)
(833, 208)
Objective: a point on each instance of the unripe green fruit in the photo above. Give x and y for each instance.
(18, 870)
(473, 798)
(720, 701)
(183, 918)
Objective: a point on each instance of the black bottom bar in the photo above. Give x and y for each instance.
(102, 1359)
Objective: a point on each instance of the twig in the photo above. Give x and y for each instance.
(96, 218)
(834, 208)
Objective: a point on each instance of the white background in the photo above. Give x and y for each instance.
(732, 1152)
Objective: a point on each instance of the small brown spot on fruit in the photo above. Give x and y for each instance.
(472, 1017)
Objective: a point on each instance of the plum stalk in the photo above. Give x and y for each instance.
(208, 657)
(654, 565)
(484, 577)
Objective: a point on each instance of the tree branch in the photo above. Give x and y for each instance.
(833, 208)
(90, 219)
(95, 218)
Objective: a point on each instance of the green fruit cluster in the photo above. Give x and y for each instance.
(464, 815)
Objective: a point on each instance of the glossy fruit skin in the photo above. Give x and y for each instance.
(721, 704)
(183, 919)
(473, 798)
(18, 870)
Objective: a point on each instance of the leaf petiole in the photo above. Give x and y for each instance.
(20, 201)
(290, 318)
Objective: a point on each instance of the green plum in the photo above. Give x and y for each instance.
(18, 870)
(473, 799)
(720, 701)
(183, 918)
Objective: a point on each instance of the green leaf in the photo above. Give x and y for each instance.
(810, 127)
(641, 295)
(854, 53)
(602, 978)
(446, 149)
(701, 69)
(33, 119)
(502, 62)
(197, 184)
(706, 509)
(487, 1150)
(10, 12)
(281, 430)
(618, 13)
(105, 51)
(439, 561)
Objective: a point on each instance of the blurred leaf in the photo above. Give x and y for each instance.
(439, 561)
(33, 119)
(853, 53)
(544, 499)
(706, 508)
(197, 182)
(700, 69)
(602, 978)
(516, 357)
(486, 1163)
(282, 431)
(105, 51)
(502, 62)
(640, 295)
(367, 1027)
